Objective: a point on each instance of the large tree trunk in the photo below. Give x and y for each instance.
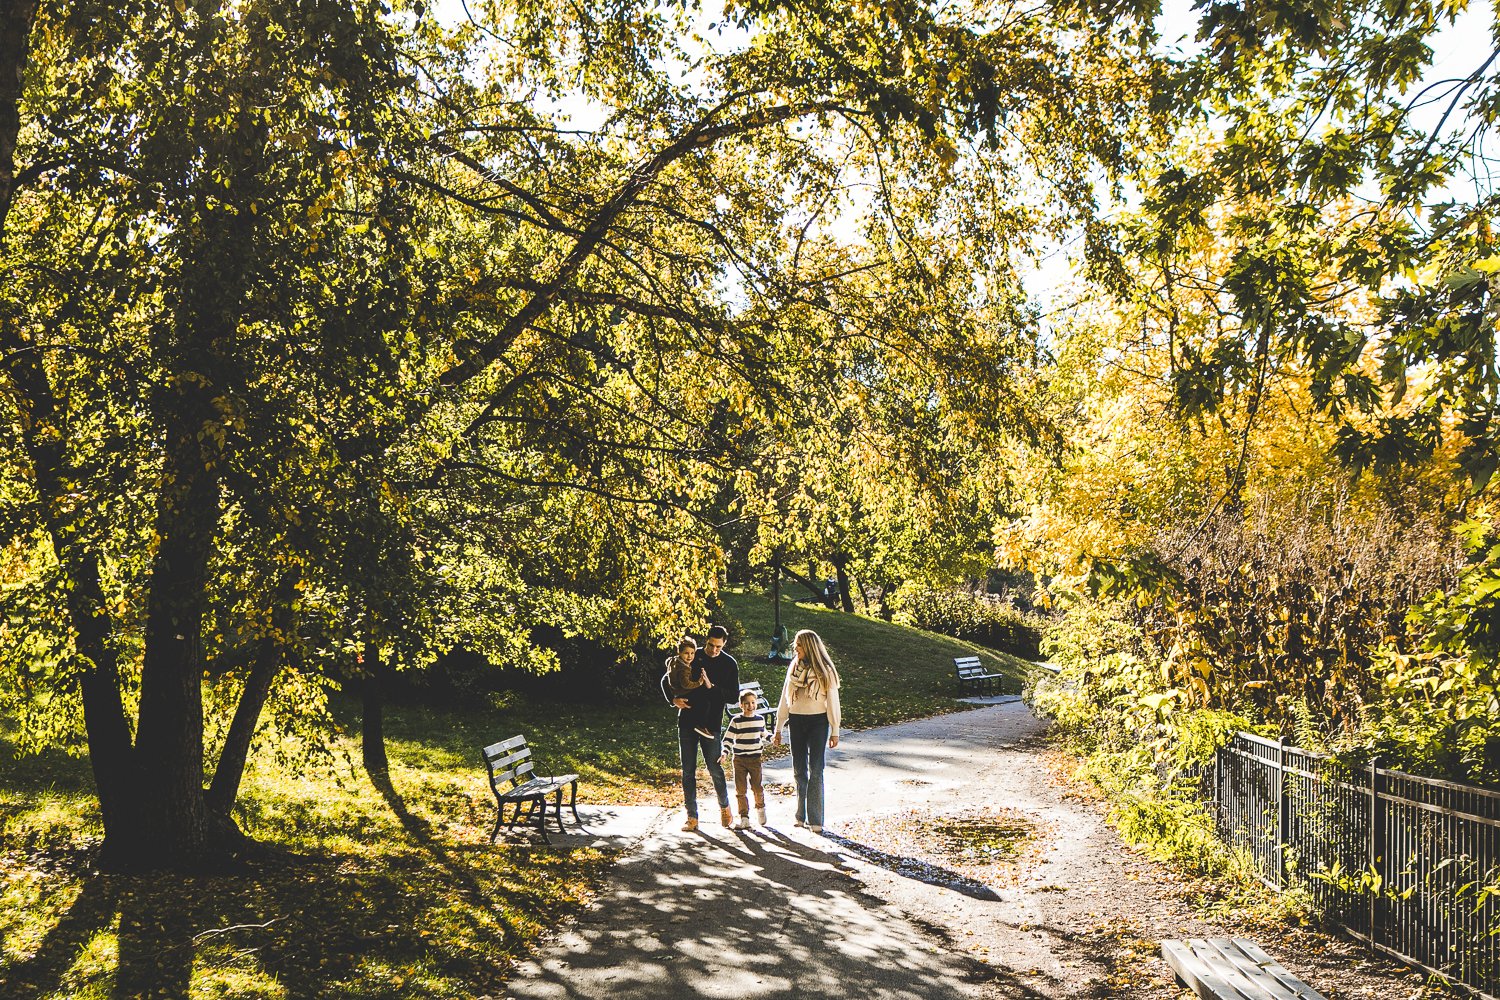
(173, 828)
(372, 726)
(16, 18)
(840, 564)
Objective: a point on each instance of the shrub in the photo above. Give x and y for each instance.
(1286, 605)
(972, 618)
(1142, 744)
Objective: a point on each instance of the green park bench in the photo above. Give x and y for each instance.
(514, 781)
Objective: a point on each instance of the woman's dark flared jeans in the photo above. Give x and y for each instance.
(809, 736)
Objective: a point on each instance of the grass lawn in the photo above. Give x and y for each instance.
(390, 890)
(888, 673)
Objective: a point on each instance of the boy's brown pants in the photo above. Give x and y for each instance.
(747, 769)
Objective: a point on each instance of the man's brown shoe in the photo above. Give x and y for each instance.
(726, 817)
(690, 825)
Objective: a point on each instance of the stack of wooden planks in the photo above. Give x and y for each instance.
(1233, 969)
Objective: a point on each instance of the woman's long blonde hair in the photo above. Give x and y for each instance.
(813, 671)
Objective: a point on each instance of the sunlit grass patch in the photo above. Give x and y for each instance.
(358, 893)
(890, 673)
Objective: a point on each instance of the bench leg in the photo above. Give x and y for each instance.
(573, 801)
(541, 820)
(556, 809)
(516, 817)
(499, 818)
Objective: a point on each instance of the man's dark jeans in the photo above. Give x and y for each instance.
(689, 743)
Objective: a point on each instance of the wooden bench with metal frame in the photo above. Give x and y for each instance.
(514, 781)
(762, 706)
(1233, 969)
(972, 675)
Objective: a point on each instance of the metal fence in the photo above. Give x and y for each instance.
(1409, 865)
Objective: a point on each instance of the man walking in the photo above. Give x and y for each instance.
(723, 672)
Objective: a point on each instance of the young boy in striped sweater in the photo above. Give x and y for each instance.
(744, 739)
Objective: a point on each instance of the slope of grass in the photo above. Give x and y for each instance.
(384, 888)
(889, 673)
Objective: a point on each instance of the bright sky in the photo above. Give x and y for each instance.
(1458, 50)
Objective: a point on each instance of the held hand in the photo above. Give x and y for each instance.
(776, 738)
(706, 682)
(679, 703)
(722, 758)
(833, 741)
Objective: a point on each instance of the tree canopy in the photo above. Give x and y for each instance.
(328, 328)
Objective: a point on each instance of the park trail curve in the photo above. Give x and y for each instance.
(867, 912)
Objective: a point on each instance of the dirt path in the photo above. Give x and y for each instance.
(875, 910)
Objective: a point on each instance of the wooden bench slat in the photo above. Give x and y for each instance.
(496, 749)
(539, 786)
(1224, 970)
(513, 776)
(511, 759)
(1277, 970)
(1191, 970)
(1252, 970)
(1232, 969)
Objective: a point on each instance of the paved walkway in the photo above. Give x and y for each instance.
(781, 913)
(774, 912)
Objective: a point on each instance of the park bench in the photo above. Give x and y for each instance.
(972, 675)
(761, 705)
(514, 781)
(1233, 969)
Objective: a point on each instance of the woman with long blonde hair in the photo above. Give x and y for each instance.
(809, 713)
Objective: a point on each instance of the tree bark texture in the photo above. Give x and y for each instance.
(16, 19)
(174, 830)
(840, 562)
(372, 724)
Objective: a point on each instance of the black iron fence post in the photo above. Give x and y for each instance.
(1374, 852)
(1282, 803)
(1218, 786)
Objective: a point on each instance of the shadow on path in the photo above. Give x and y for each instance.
(914, 868)
(720, 914)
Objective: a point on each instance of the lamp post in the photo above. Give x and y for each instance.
(779, 643)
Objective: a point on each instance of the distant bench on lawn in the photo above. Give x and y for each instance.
(974, 677)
